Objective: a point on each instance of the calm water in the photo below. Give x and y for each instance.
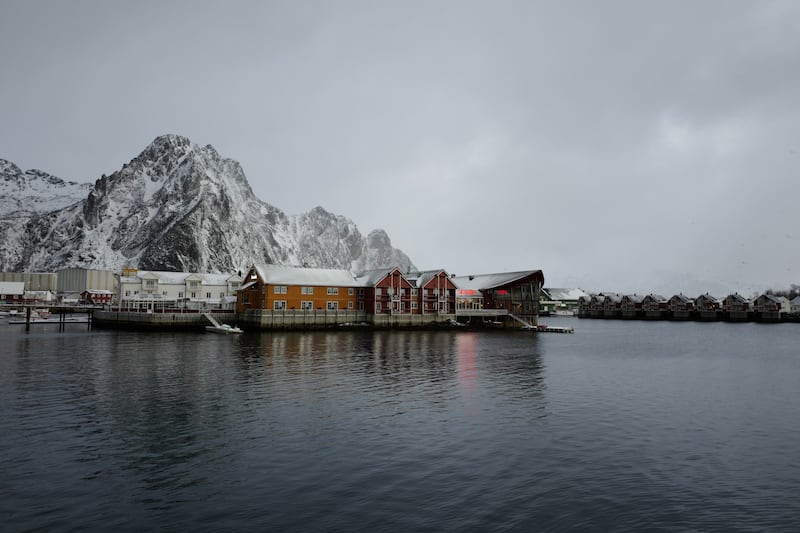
(621, 426)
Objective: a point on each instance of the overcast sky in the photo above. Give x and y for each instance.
(617, 145)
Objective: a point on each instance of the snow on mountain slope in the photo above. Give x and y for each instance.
(178, 206)
(34, 191)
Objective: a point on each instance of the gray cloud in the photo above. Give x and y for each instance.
(617, 145)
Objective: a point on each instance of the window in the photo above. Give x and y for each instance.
(360, 306)
(150, 283)
(361, 292)
(333, 306)
(245, 298)
(402, 292)
(333, 291)
(350, 291)
(402, 306)
(307, 305)
(436, 292)
(279, 305)
(163, 293)
(135, 292)
(208, 295)
(377, 307)
(414, 292)
(378, 291)
(306, 290)
(279, 289)
(414, 305)
(253, 276)
(349, 305)
(222, 295)
(127, 293)
(180, 294)
(194, 295)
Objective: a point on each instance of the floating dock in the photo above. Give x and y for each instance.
(544, 328)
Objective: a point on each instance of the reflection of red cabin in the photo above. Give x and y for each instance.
(96, 297)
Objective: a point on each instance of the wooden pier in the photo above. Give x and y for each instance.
(60, 315)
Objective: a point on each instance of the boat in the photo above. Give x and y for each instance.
(223, 328)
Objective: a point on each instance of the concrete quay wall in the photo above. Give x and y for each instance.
(134, 320)
(270, 320)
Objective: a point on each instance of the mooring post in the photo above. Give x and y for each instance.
(27, 319)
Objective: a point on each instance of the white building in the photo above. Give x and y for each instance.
(12, 291)
(153, 289)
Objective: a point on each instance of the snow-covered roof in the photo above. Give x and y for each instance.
(773, 298)
(289, 275)
(369, 278)
(566, 294)
(12, 287)
(179, 278)
(489, 281)
(636, 298)
(737, 296)
(421, 278)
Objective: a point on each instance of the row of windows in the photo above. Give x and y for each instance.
(332, 291)
(414, 292)
(308, 305)
(180, 294)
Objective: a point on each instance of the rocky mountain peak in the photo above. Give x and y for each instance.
(177, 206)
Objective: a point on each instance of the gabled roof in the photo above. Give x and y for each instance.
(369, 278)
(290, 275)
(656, 297)
(707, 297)
(636, 298)
(681, 297)
(484, 282)
(737, 296)
(773, 298)
(420, 279)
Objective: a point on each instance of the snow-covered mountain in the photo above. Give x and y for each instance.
(176, 206)
(33, 191)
